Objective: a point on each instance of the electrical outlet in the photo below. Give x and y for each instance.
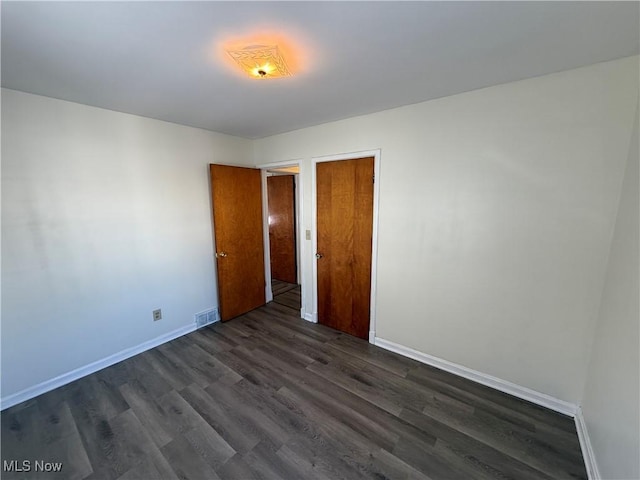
(157, 315)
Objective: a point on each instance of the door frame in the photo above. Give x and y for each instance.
(300, 243)
(374, 239)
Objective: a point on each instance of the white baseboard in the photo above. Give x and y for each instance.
(505, 386)
(60, 380)
(372, 336)
(311, 317)
(587, 449)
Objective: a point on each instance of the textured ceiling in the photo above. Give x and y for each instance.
(165, 60)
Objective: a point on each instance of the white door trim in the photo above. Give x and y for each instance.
(314, 225)
(299, 230)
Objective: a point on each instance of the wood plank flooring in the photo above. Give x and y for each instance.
(279, 287)
(269, 395)
(287, 294)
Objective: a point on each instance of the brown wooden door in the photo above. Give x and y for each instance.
(345, 229)
(237, 221)
(282, 231)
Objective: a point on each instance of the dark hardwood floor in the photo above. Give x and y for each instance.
(268, 395)
(287, 294)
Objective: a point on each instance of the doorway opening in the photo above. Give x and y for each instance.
(283, 237)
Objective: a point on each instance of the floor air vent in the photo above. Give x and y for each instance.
(207, 317)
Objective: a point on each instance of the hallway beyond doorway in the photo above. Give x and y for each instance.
(287, 294)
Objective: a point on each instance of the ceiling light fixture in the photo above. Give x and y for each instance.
(261, 61)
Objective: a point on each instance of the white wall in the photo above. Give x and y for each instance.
(611, 403)
(105, 217)
(496, 213)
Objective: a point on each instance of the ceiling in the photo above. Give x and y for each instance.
(166, 60)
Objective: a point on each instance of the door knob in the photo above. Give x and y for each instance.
(221, 254)
(319, 256)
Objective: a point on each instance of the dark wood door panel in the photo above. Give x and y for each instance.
(282, 238)
(237, 220)
(345, 228)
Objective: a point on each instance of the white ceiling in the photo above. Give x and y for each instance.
(164, 59)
